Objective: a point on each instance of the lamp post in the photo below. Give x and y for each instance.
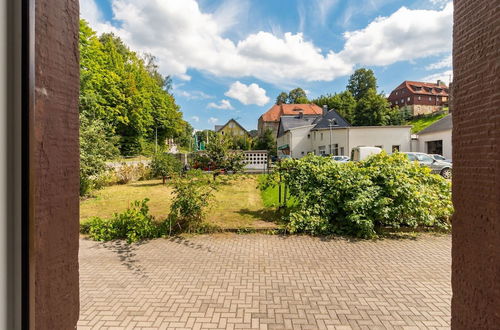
(330, 124)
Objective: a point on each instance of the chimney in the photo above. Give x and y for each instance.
(325, 109)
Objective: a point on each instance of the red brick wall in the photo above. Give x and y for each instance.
(54, 173)
(476, 161)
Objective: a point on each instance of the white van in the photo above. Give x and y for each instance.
(361, 153)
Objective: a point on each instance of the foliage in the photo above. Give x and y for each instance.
(133, 225)
(359, 198)
(165, 165)
(126, 92)
(267, 142)
(191, 196)
(220, 156)
(419, 123)
(295, 96)
(344, 103)
(360, 82)
(96, 146)
(374, 110)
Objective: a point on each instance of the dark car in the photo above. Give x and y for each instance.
(437, 166)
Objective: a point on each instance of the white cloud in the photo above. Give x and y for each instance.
(213, 120)
(443, 63)
(195, 119)
(193, 95)
(446, 76)
(405, 35)
(184, 37)
(248, 94)
(223, 105)
(89, 10)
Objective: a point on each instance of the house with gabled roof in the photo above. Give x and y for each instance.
(419, 98)
(232, 128)
(271, 118)
(331, 134)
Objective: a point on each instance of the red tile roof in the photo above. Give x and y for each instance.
(424, 88)
(275, 113)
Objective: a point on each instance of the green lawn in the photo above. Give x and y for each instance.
(270, 196)
(423, 122)
(237, 204)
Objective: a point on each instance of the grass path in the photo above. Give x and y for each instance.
(237, 204)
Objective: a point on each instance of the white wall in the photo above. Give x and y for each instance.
(385, 136)
(445, 136)
(300, 144)
(339, 136)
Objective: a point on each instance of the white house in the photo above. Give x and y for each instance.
(332, 134)
(436, 138)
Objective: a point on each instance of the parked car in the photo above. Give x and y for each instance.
(361, 153)
(439, 157)
(341, 159)
(437, 166)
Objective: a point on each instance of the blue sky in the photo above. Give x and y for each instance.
(231, 58)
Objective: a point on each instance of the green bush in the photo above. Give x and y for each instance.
(133, 225)
(165, 165)
(358, 198)
(191, 196)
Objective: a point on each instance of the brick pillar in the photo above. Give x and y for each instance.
(54, 167)
(476, 161)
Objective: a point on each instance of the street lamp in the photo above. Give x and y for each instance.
(331, 122)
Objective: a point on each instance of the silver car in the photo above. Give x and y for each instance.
(341, 159)
(439, 157)
(437, 166)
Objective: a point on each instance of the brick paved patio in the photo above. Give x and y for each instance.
(266, 282)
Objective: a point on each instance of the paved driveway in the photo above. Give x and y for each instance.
(266, 282)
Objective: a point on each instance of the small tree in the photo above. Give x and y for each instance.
(266, 142)
(165, 165)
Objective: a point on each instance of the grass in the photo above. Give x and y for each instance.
(423, 122)
(237, 204)
(270, 195)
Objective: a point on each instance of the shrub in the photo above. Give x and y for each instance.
(191, 196)
(133, 225)
(125, 173)
(359, 198)
(165, 165)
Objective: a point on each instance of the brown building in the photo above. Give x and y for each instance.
(271, 119)
(420, 97)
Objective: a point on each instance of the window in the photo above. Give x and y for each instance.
(411, 157)
(231, 125)
(430, 98)
(396, 148)
(435, 147)
(321, 136)
(396, 93)
(402, 101)
(301, 152)
(396, 102)
(408, 99)
(322, 150)
(426, 159)
(336, 149)
(419, 98)
(381, 147)
(308, 136)
(342, 151)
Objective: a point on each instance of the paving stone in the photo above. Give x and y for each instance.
(266, 282)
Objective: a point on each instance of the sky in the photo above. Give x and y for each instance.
(231, 58)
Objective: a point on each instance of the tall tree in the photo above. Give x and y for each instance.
(374, 110)
(360, 82)
(282, 98)
(297, 96)
(344, 103)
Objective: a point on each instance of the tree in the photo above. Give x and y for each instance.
(297, 96)
(344, 103)
(360, 82)
(165, 165)
(282, 98)
(127, 92)
(267, 142)
(96, 146)
(374, 110)
(222, 157)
